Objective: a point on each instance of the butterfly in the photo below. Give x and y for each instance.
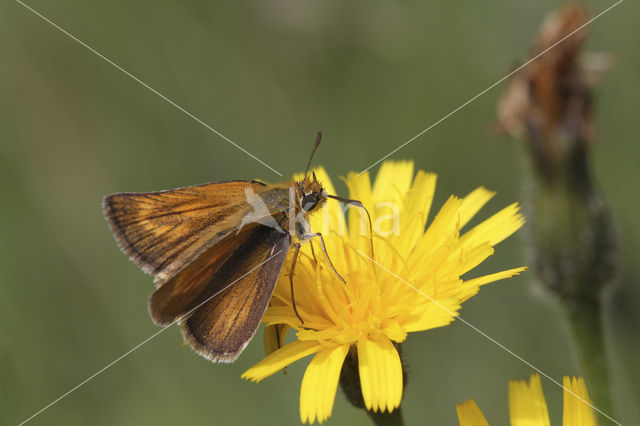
(216, 251)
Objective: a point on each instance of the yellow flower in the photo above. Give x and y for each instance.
(527, 406)
(413, 285)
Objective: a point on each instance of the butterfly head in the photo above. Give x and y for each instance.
(311, 194)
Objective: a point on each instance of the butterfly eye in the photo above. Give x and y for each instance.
(309, 201)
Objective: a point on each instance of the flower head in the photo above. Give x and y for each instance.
(527, 406)
(401, 279)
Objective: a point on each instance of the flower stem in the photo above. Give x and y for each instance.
(574, 250)
(585, 322)
(350, 384)
(550, 107)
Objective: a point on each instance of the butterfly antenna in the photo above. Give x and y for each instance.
(313, 151)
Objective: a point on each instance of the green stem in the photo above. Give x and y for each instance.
(585, 322)
(575, 256)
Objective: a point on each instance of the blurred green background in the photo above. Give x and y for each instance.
(268, 74)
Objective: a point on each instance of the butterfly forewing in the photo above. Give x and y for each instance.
(222, 326)
(164, 231)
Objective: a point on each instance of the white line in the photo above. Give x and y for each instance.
(140, 344)
(151, 89)
(492, 339)
(92, 376)
(492, 86)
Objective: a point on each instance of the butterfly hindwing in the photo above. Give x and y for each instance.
(193, 284)
(222, 326)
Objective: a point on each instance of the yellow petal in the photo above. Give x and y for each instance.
(393, 330)
(496, 228)
(576, 409)
(527, 406)
(331, 212)
(472, 203)
(486, 279)
(393, 181)
(281, 358)
(414, 214)
(470, 257)
(319, 384)
(285, 315)
(359, 189)
(470, 415)
(421, 196)
(274, 337)
(380, 373)
(442, 231)
(434, 315)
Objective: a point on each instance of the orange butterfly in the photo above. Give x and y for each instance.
(216, 251)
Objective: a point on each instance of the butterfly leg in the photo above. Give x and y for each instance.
(313, 253)
(293, 267)
(324, 249)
